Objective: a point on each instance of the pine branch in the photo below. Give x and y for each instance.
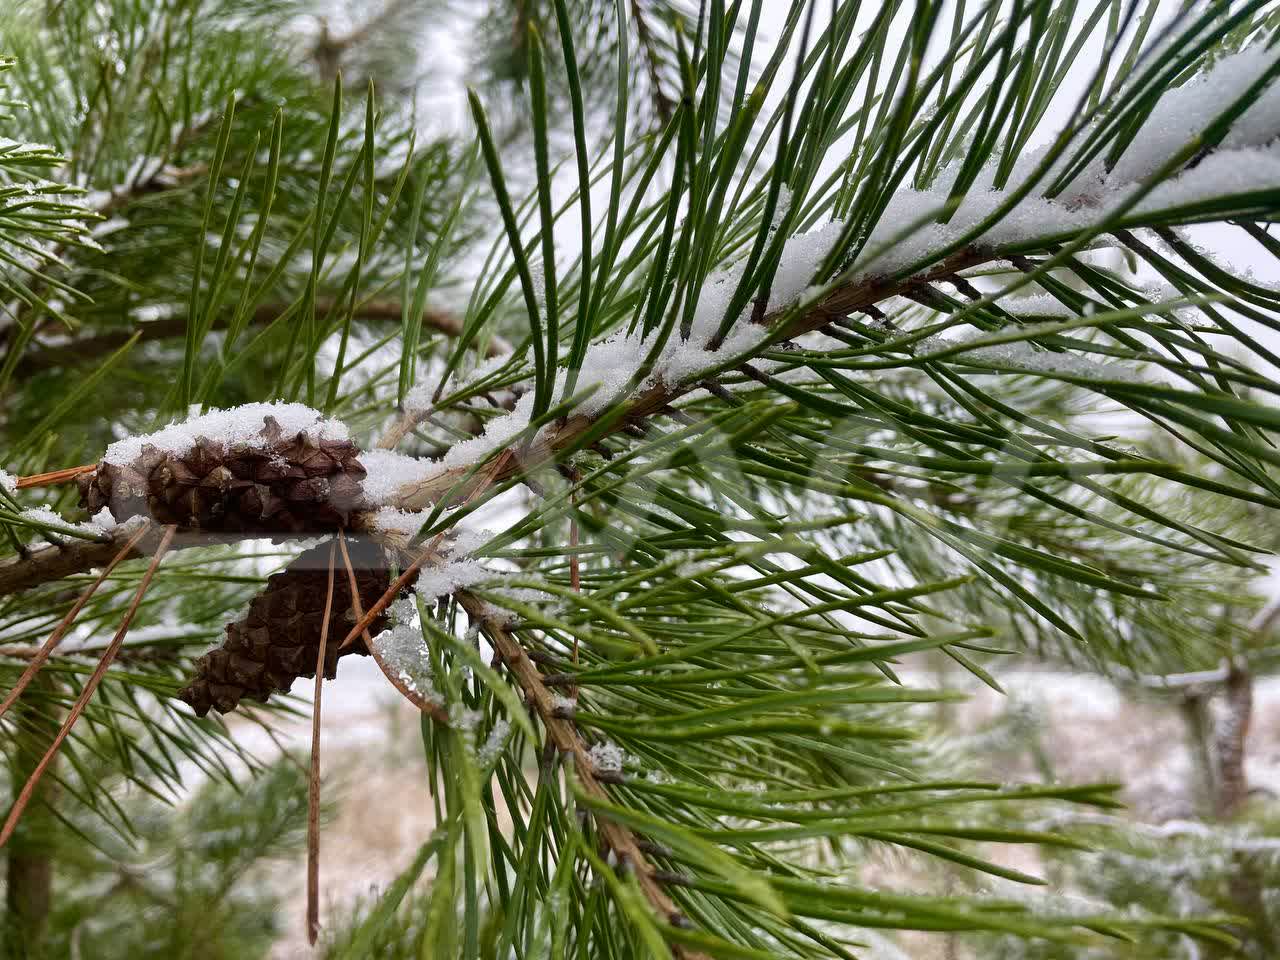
(44, 357)
(526, 459)
(564, 734)
(54, 563)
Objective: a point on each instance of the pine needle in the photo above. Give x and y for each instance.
(15, 814)
(313, 781)
(42, 655)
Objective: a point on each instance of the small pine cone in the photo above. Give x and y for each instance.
(284, 485)
(278, 640)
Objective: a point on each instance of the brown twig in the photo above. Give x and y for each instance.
(313, 779)
(90, 687)
(662, 103)
(393, 591)
(575, 577)
(54, 563)
(329, 49)
(42, 655)
(54, 477)
(356, 610)
(575, 565)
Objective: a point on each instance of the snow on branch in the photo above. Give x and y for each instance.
(1249, 160)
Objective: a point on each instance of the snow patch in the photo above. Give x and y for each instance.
(388, 471)
(402, 523)
(1245, 162)
(101, 524)
(1026, 357)
(452, 575)
(404, 651)
(493, 745)
(237, 426)
(606, 757)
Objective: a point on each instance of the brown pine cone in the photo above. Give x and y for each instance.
(278, 640)
(291, 485)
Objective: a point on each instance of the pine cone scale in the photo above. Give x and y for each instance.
(276, 485)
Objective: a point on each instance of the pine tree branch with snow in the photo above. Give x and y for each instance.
(644, 445)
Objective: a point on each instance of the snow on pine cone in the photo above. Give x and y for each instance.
(271, 483)
(278, 640)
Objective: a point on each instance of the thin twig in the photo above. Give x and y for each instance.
(61, 629)
(355, 594)
(55, 477)
(15, 813)
(410, 420)
(313, 780)
(384, 601)
(575, 572)
(575, 566)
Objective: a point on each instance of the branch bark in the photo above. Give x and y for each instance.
(29, 871)
(54, 563)
(1232, 734)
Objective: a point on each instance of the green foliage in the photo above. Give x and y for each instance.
(221, 227)
(40, 219)
(738, 378)
(187, 881)
(1189, 867)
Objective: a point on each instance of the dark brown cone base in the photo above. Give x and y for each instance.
(278, 640)
(283, 485)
